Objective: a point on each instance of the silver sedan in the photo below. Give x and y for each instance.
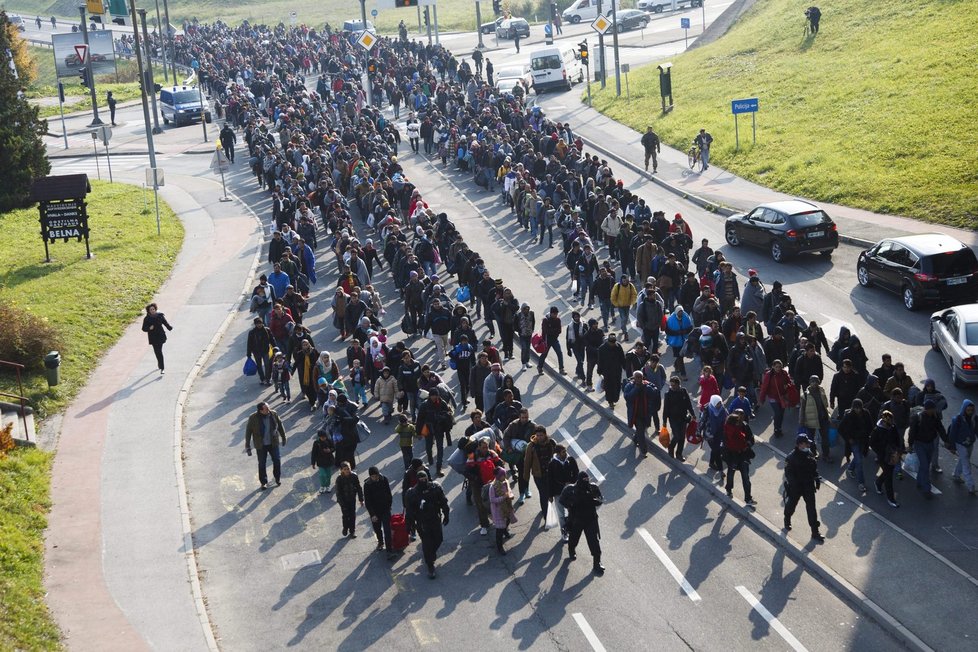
(954, 334)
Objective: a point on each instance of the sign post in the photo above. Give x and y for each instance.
(625, 69)
(684, 25)
(61, 104)
(748, 105)
(105, 133)
(220, 164)
(62, 208)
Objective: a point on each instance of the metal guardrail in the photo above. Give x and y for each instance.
(23, 400)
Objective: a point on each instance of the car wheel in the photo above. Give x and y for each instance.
(933, 338)
(777, 251)
(955, 378)
(730, 233)
(165, 120)
(862, 274)
(620, 28)
(575, 20)
(827, 254)
(909, 300)
(657, 9)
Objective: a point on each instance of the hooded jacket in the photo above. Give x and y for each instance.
(963, 431)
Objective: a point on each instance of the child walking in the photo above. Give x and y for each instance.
(358, 380)
(281, 376)
(323, 460)
(406, 432)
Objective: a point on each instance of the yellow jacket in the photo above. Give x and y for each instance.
(624, 296)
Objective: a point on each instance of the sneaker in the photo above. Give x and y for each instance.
(817, 536)
(750, 501)
(329, 490)
(564, 537)
(957, 479)
(263, 487)
(353, 535)
(893, 503)
(729, 494)
(278, 483)
(322, 490)
(431, 573)
(529, 494)
(345, 531)
(879, 489)
(937, 469)
(851, 473)
(380, 546)
(483, 531)
(862, 488)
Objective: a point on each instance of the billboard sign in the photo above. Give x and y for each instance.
(100, 50)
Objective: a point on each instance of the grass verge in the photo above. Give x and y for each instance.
(874, 112)
(25, 623)
(90, 302)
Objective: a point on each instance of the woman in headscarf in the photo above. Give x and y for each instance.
(501, 507)
(715, 416)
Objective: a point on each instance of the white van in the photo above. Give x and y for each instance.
(587, 10)
(556, 66)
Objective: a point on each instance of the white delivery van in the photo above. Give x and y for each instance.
(556, 66)
(587, 10)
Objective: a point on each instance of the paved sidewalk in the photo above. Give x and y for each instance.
(119, 573)
(716, 185)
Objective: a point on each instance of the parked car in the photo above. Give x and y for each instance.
(355, 25)
(510, 26)
(556, 66)
(929, 268)
(658, 6)
(631, 19)
(490, 28)
(785, 228)
(508, 77)
(954, 334)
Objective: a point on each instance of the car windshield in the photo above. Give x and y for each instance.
(971, 333)
(509, 72)
(548, 62)
(813, 218)
(186, 97)
(954, 263)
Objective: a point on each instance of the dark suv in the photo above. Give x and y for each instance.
(929, 268)
(784, 228)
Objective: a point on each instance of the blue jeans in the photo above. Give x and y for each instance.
(605, 305)
(924, 453)
(963, 468)
(705, 154)
(584, 286)
(560, 355)
(428, 267)
(856, 465)
(623, 315)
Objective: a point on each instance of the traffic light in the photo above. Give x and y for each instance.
(406, 3)
(584, 53)
(83, 76)
(497, 6)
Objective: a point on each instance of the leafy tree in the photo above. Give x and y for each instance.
(23, 157)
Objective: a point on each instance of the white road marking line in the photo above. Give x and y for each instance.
(589, 634)
(671, 567)
(582, 456)
(772, 621)
(831, 327)
(934, 490)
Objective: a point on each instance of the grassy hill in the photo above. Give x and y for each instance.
(876, 111)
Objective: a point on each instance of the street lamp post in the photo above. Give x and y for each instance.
(162, 44)
(149, 81)
(173, 47)
(366, 58)
(601, 65)
(478, 22)
(149, 131)
(88, 66)
(614, 38)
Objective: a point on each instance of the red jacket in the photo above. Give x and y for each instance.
(774, 386)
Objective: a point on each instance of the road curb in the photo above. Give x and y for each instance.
(705, 204)
(189, 549)
(833, 580)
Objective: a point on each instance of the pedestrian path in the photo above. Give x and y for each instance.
(622, 144)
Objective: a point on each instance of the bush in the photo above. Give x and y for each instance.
(26, 337)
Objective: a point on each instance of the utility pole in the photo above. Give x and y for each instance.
(88, 66)
(159, 31)
(149, 81)
(173, 51)
(601, 67)
(614, 38)
(434, 17)
(478, 22)
(427, 22)
(149, 131)
(366, 58)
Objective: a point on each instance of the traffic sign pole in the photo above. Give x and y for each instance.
(366, 72)
(601, 65)
(478, 22)
(88, 66)
(61, 104)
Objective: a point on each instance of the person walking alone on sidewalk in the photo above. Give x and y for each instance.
(961, 439)
(650, 141)
(802, 480)
(703, 140)
(228, 139)
(348, 491)
(153, 324)
(263, 432)
(377, 498)
(111, 101)
(582, 500)
(323, 460)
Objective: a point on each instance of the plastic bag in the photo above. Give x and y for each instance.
(693, 435)
(551, 521)
(463, 293)
(250, 367)
(363, 431)
(664, 437)
(911, 464)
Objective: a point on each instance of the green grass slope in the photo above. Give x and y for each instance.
(877, 111)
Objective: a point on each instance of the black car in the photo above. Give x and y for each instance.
(930, 268)
(490, 28)
(631, 19)
(785, 228)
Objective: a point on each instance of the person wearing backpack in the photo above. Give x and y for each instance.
(925, 429)
(643, 401)
(887, 443)
(802, 480)
(677, 412)
(425, 503)
(738, 442)
(463, 355)
(855, 427)
(961, 439)
(562, 472)
(537, 462)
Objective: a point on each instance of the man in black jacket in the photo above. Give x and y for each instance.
(435, 414)
(925, 428)
(802, 481)
(425, 503)
(259, 342)
(582, 500)
(677, 411)
(377, 498)
(561, 472)
(845, 386)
